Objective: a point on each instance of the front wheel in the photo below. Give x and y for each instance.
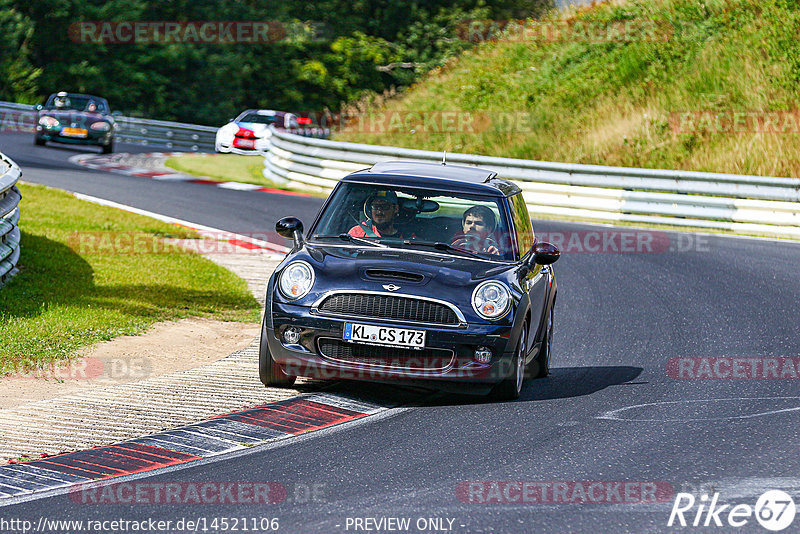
(109, 148)
(270, 372)
(511, 386)
(38, 141)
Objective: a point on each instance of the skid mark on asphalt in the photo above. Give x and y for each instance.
(713, 409)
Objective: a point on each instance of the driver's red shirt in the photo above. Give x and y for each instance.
(359, 231)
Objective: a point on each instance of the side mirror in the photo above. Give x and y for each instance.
(291, 228)
(545, 253)
(39, 107)
(230, 120)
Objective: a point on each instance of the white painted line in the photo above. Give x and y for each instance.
(239, 186)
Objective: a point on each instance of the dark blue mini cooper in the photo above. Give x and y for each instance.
(414, 272)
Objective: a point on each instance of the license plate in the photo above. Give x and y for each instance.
(245, 143)
(74, 132)
(384, 335)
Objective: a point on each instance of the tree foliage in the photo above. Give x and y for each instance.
(334, 51)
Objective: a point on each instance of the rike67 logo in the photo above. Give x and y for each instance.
(774, 510)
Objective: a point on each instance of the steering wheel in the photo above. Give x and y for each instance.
(473, 242)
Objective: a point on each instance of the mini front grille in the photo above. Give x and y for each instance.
(389, 307)
(393, 357)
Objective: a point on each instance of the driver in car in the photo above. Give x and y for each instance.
(382, 209)
(477, 224)
(61, 101)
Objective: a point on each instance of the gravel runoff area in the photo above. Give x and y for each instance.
(107, 415)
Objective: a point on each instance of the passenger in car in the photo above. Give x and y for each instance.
(382, 208)
(478, 224)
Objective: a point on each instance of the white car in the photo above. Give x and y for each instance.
(248, 133)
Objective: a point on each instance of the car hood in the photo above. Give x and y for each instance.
(411, 272)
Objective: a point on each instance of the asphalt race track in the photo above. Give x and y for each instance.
(613, 412)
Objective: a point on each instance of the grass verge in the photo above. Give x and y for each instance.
(90, 273)
(226, 168)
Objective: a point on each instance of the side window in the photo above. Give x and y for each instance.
(522, 224)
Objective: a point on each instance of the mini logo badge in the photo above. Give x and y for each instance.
(391, 287)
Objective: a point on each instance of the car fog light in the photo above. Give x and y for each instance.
(291, 335)
(483, 354)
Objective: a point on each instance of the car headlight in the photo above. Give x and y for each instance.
(101, 126)
(491, 300)
(296, 280)
(48, 122)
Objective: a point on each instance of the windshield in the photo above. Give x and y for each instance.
(459, 224)
(256, 118)
(78, 103)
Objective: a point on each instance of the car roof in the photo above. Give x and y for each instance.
(264, 112)
(80, 95)
(435, 176)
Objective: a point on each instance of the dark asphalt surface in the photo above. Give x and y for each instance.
(620, 317)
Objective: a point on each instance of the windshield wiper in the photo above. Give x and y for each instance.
(442, 246)
(348, 237)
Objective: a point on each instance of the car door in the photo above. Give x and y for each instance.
(533, 281)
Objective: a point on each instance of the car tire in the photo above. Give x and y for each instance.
(511, 386)
(38, 141)
(270, 372)
(109, 148)
(540, 366)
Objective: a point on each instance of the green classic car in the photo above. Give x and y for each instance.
(76, 119)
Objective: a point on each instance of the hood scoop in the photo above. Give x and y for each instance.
(394, 276)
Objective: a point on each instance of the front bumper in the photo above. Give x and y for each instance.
(92, 138)
(448, 355)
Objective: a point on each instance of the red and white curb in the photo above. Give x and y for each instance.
(115, 163)
(220, 435)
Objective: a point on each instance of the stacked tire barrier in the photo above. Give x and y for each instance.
(750, 205)
(9, 218)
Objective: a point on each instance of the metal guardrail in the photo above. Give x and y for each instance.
(9, 218)
(753, 205)
(143, 132)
